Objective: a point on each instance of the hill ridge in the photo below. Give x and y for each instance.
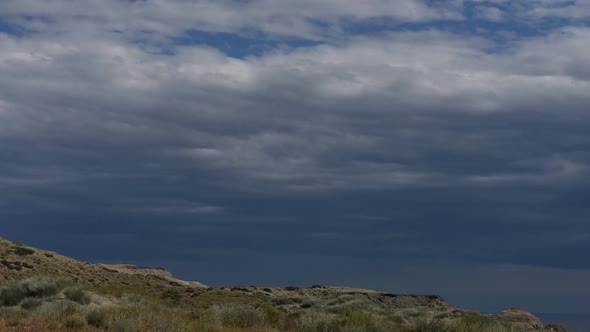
(19, 261)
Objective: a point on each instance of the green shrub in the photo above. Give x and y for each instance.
(273, 316)
(75, 321)
(77, 294)
(98, 317)
(307, 304)
(12, 294)
(291, 288)
(23, 251)
(44, 286)
(59, 310)
(31, 303)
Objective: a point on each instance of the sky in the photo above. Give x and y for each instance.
(413, 146)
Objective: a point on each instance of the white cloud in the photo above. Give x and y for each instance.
(490, 13)
(578, 9)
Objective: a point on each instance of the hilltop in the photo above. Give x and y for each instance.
(196, 307)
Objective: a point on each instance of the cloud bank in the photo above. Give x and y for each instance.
(374, 131)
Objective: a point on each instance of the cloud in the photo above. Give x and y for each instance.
(490, 13)
(371, 112)
(540, 14)
(282, 18)
(416, 144)
(574, 10)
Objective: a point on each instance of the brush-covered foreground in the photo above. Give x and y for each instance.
(43, 291)
(38, 304)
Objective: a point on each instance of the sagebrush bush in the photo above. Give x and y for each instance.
(77, 294)
(13, 293)
(23, 251)
(58, 310)
(307, 304)
(98, 317)
(44, 286)
(273, 316)
(75, 321)
(31, 303)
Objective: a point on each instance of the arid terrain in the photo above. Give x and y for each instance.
(45, 291)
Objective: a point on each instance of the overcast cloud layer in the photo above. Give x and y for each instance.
(413, 146)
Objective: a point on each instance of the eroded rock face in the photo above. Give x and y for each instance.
(521, 319)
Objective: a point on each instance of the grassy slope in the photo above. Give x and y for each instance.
(18, 262)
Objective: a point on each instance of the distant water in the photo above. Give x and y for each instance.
(574, 323)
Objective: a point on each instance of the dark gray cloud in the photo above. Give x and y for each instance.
(363, 160)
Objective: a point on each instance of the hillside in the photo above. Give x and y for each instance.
(113, 285)
(18, 261)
